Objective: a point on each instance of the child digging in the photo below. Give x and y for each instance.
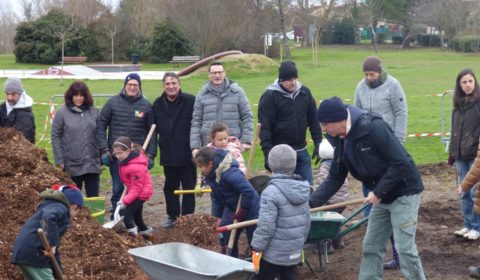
(53, 215)
(134, 173)
(284, 219)
(228, 183)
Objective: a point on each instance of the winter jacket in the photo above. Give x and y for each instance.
(388, 100)
(173, 127)
(126, 116)
(284, 220)
(21, 117)
(53, 216)
(134, 174)
(74, 140)
(227, 183)
(235, 148)
(465, 131)
(373, 155)
(286, 116)
(230, 107)
(342, 194)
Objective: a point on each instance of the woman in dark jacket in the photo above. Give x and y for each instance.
(75, 148)
(464, 143)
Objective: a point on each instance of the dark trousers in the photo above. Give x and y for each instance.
(268, 271)
(227, 220)
(134, 213)
(185, 175)
(91, 181)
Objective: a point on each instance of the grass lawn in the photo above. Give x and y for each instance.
(422, 73)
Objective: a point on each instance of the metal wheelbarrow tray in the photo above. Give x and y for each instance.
(187, 262)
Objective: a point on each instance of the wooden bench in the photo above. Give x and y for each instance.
(74, 59)
(184, 59)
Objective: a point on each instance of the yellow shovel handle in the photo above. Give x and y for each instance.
(192, 191)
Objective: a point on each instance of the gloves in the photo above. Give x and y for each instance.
(256, 257)
(151, 163)
(106, 158)
(451, 160)
(246, 146)
(217, 235)
(315, 153)
(121, 205)
(265, 164)
(240, 215)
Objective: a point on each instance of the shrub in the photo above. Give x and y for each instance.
(429, 40)
(338, 32)
(165, 42)
(466, 44)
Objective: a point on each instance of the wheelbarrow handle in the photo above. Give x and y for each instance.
(56, 267)
(312, 210)
(192, 191)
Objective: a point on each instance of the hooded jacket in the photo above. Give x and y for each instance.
(20, 117)
(227, 183)
(53, 216)
(373, 155)
(284, 220)
(230, 107)
(134, 174)
(286, 116)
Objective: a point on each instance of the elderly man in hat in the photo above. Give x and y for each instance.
(366, 146)
(286, 110)
(16, 111)
(126, 114)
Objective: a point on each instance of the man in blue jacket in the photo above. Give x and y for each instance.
(366, 146)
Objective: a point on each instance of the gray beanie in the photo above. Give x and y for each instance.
(282, 159)
(13, 85)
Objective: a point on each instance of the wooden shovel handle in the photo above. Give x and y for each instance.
(56, 267)
(233, 233)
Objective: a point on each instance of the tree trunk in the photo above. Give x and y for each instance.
(288, 55)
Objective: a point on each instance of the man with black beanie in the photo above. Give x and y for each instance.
(285, 111)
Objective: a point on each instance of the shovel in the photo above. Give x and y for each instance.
(56, 267)
(192, 191)
(116, 215)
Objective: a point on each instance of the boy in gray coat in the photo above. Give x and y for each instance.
(284, 219)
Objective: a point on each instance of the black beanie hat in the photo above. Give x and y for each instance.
(332, 110)
(287, 70)
(133, 76)
(372, 64)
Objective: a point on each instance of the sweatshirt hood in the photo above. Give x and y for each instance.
(276, 87)
(25, 101)
(50, 194)
(293, 187)
(222, 162)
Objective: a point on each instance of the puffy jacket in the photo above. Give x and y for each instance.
(74, 140)
(342, 194)
(284, 220)
(235, 147)
(227, 183)
(134, 174)
(53, 215)
(21, 117)
(286, 116)
(231, 107)
(388, 101)
(374, 156)
(465, 131)
(126, 116)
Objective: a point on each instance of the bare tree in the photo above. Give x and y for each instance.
(288, 54)
(65, 33)
(320, 23)
(8, 22)
(111, 31)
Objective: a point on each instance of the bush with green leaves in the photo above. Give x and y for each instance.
(429, 40)
(166, 41)
(339, 32)
(466, 43)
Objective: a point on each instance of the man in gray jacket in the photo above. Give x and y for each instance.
(284, 218)
(220, 100)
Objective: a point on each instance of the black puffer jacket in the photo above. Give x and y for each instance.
(465, 131)
(125, 116)
(21, 119)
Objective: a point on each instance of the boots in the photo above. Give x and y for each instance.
(147, 235)
(132, 232)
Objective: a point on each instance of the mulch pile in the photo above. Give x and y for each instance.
(88, 250)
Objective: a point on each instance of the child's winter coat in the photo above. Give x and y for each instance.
(134, 174)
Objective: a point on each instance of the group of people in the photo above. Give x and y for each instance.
(210, 131)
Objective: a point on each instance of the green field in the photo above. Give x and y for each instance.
(422, 73)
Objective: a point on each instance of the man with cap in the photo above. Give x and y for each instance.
(382, 94)
(220, 100)
(126, 114)
(16, 111)
(366, 146)
(286, 109)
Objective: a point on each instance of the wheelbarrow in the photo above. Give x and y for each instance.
(183, 261)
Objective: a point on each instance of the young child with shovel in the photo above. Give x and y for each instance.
(228, 184)
(53, 216)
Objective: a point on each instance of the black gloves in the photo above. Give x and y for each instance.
(315, 153)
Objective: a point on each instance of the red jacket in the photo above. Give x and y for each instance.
(134, 174)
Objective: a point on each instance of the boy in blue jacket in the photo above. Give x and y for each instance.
(228, 183)
(53, 216)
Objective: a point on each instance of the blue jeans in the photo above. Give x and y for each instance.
(304, 165)
(117, 185)
(471, 220)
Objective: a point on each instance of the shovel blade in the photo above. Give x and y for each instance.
(116, 219)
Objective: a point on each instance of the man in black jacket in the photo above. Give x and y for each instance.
(285, 111)
(173, 116)
(366, 146)
(126, 114)
(16, 111)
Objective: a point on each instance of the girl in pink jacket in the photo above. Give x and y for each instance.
(219, 139)
(134, 174)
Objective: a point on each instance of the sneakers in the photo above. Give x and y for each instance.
(474, 272)
(462, 232)
(392, 264)
(472, 235)
(147, 232)
(170, 223)
(132, 232)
